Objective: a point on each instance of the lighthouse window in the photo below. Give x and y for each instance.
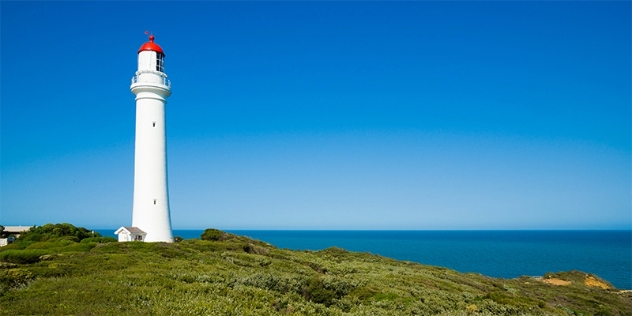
(160, 62)
(154, 124)
(154, 201)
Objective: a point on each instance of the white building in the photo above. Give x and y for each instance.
(130, 234)
(150, 212)
(13, 231)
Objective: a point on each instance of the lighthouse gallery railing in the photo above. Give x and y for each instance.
(152, 79)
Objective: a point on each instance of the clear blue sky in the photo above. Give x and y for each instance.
(325, 115)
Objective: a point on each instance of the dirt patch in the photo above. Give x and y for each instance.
(591, 281)
(556, 281)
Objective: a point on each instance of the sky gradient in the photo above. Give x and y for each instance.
(324, 115)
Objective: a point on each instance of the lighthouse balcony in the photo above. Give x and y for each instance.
(152, 79)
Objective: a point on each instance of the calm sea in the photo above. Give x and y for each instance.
(503, 254)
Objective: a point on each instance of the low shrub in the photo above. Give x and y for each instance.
(257, 250)
(78, 247)
(65, 238)
(364, 293)
(22, 256)
(99, 240)
(316, 292)
(63, 245)
(281, 284)
(213, 235)
(14, 278)
(44, 245)
(511, 300)
(50, 232)
(206, 246)
(11, 246)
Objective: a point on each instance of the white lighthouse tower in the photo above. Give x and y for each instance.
(151, 195)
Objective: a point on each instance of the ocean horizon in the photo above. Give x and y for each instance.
(495, 253)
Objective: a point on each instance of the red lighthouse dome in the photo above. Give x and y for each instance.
(151, 46)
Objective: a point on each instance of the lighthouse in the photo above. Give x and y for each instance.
(151, 220)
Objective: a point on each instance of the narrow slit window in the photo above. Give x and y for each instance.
(154, 124)
(154, 201)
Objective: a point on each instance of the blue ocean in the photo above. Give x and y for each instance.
(502, 254)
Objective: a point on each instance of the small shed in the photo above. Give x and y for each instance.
(130, 234)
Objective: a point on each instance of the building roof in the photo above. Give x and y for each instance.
(16, 229)
(151, 46)
(131, 230)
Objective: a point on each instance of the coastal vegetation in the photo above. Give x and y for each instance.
(62, 269)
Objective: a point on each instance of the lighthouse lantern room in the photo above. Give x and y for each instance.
(150, 212)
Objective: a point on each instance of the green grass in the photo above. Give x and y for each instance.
(234, 275)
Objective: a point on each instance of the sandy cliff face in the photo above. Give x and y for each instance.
(591, 281)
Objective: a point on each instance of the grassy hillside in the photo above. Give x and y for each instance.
(233, 275)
